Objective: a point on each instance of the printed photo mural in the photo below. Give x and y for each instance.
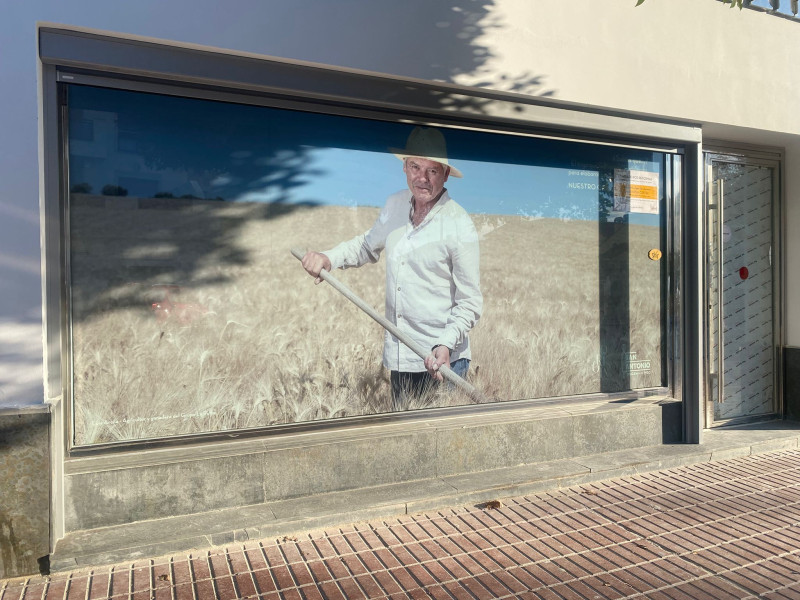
(540, 261)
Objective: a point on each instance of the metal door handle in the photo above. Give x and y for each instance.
(720, 286)
(715, 248)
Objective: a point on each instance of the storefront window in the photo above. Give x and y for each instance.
(189, 315)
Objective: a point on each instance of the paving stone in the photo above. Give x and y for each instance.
(713, 530)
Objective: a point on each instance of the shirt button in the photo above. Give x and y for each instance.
(398, 288)
(399, 316)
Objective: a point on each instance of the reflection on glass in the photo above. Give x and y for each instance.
(740, 276)
(189, 314)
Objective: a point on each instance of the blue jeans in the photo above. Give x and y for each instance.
(410, 387)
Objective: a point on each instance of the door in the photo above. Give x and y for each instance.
(741, 200)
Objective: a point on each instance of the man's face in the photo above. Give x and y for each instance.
(425, 178)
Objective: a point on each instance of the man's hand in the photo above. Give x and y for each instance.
(440, 356)
(314, 263)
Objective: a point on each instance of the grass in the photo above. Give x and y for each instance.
(256, 343)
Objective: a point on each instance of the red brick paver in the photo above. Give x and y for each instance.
(727, 529)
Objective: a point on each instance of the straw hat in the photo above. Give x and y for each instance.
(428, 143)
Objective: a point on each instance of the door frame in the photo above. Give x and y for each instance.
(757, 156)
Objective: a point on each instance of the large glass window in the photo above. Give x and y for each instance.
(190, 315)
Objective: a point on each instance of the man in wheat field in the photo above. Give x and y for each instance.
(432, 268)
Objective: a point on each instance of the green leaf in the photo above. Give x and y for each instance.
(638, 2)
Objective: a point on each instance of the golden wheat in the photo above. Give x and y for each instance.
(250, 341)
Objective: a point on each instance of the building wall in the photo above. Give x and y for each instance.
(24, 492)
(676, 58)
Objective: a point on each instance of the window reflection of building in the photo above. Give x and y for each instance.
(102, 154)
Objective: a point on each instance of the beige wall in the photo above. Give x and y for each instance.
(697, 60)
(689, 59)
(792, 242)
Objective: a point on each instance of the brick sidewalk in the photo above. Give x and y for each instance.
(727, 529)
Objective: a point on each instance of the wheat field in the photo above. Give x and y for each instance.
(197, 318)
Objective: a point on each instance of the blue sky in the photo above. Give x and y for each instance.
(155, 145)
(532, 191)
(784, 8)
(487, 187)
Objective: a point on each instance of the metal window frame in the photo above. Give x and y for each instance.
(76, 55)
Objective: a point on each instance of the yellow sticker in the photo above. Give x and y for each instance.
(654, 254)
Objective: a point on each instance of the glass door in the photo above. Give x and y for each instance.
(741, 289)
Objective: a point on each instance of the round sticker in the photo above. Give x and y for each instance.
(744, 273)
(654, 254)
(726, 233)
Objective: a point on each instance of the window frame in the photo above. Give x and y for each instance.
(92, 58)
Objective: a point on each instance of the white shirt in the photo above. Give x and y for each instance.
(432, 276)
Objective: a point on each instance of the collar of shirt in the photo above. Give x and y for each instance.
(443, 198)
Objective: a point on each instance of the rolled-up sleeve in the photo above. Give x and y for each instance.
(367, 247)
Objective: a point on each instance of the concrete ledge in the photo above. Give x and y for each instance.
(7, 410)
(286, 517)
(124, 488)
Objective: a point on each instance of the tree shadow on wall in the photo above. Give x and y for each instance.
(196, 173)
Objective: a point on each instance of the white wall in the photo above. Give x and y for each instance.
(690, 59)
